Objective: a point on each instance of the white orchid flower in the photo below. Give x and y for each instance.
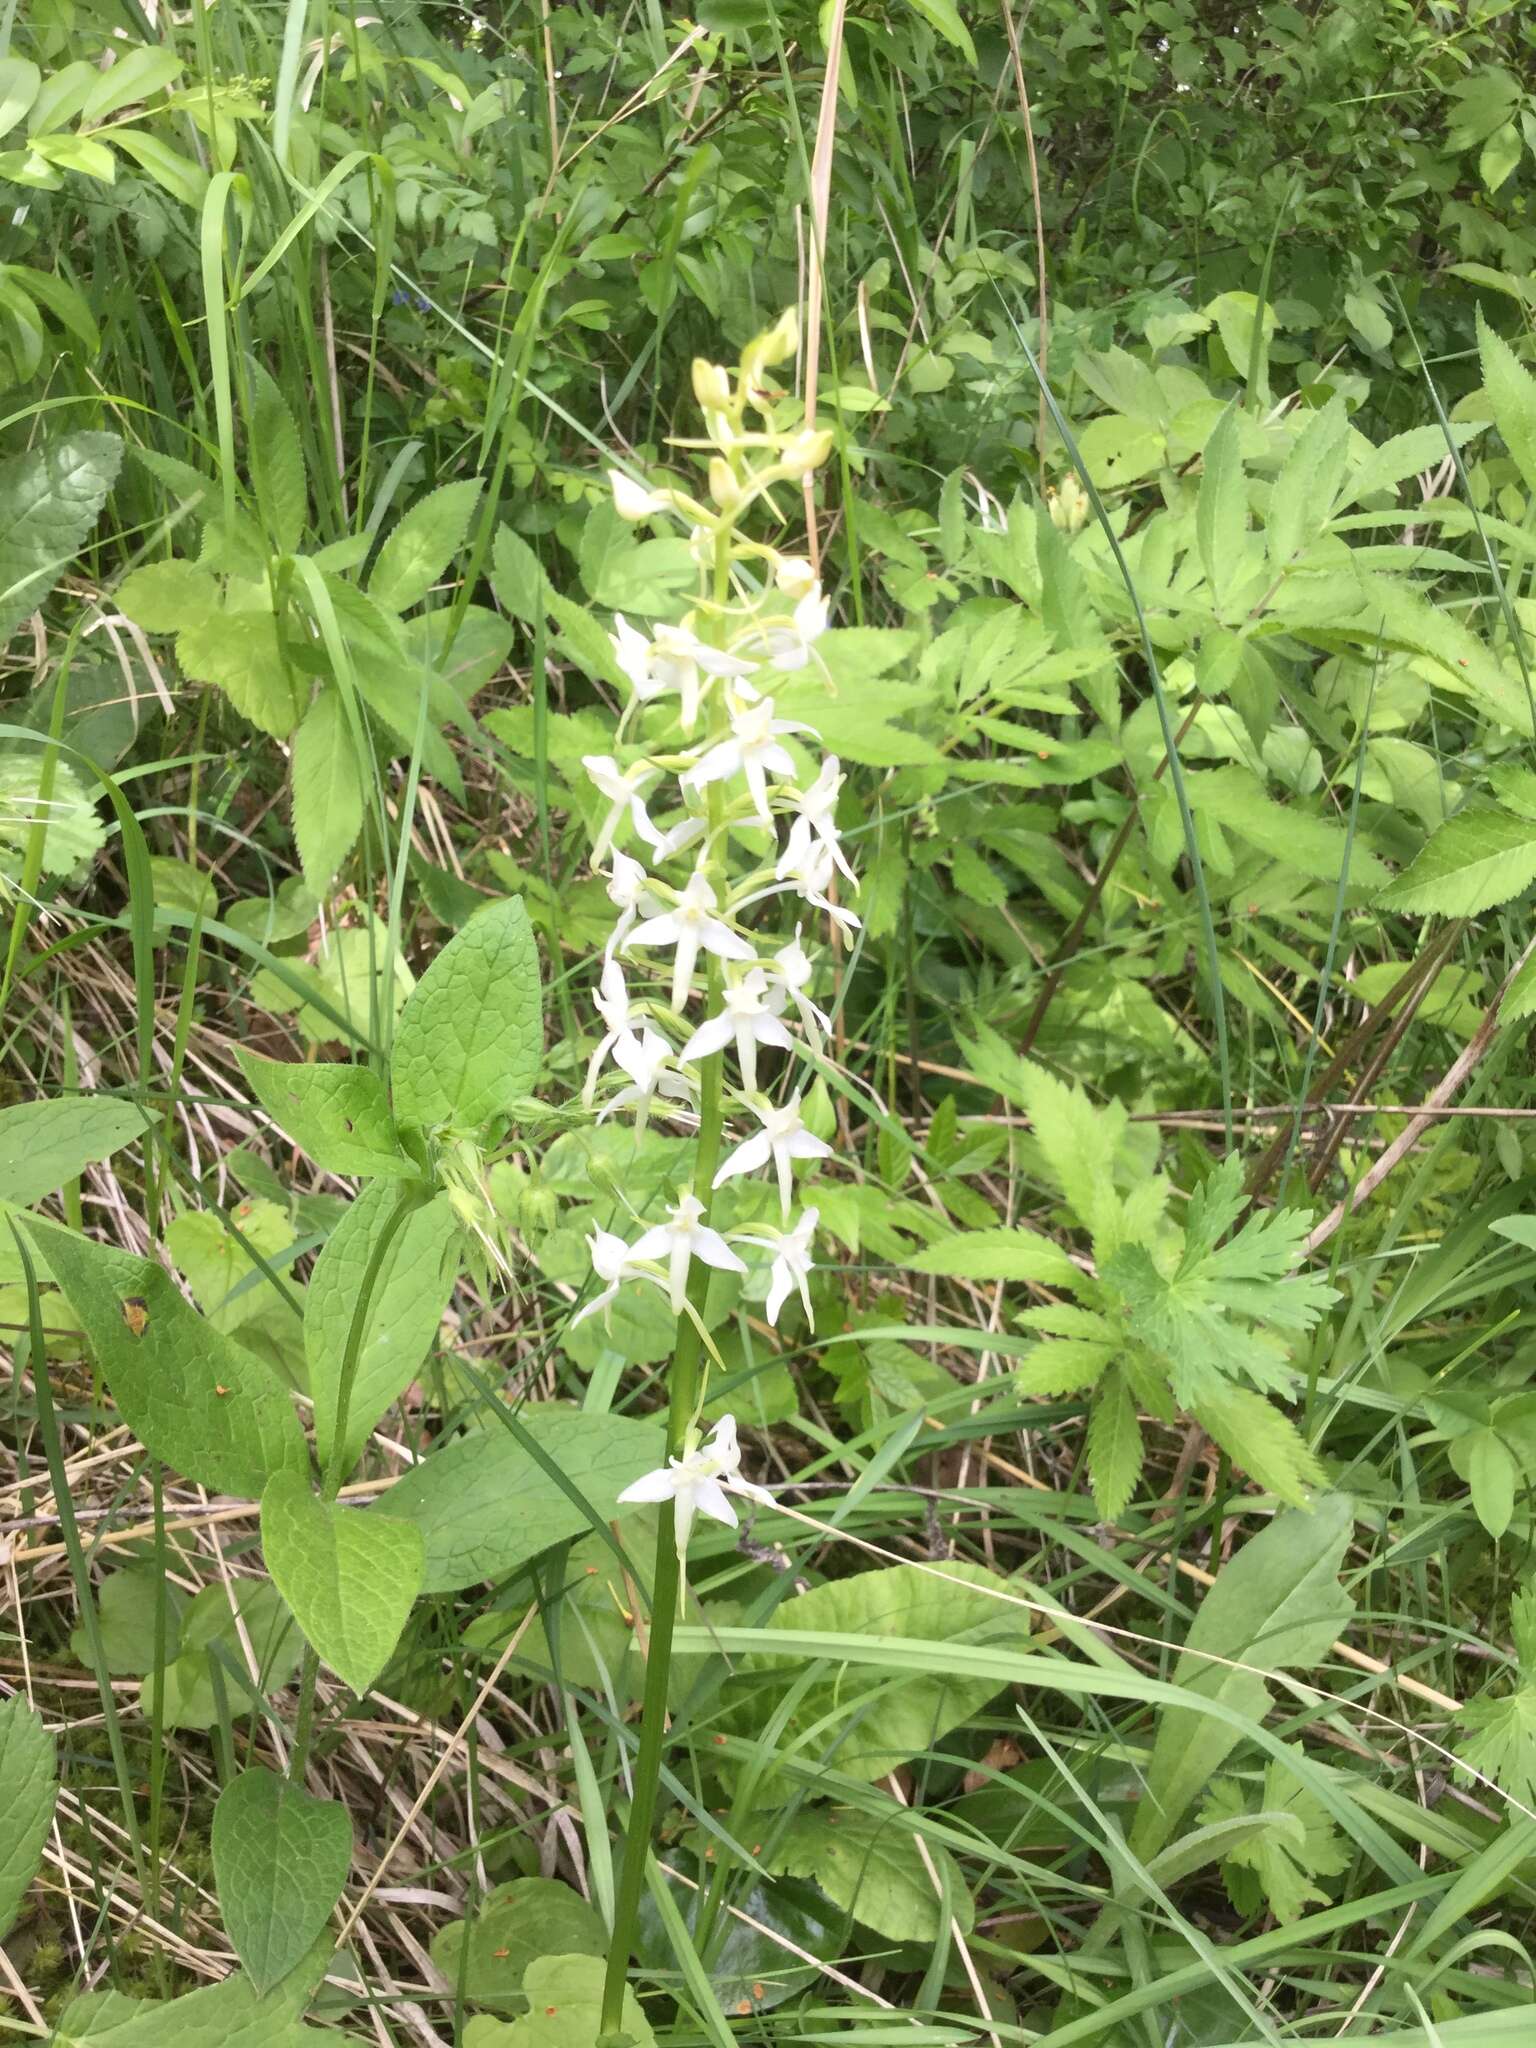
(693, 928)
(633, 501)
(613, 1261)
(792, 1264)
(622, 787)
(783, 1139)
(684, 1237)
(652, 1071)
(794, 577)
(620, 1015)
(632, 652)
(699, 1482)
(789, 976)
(814, 823)
(752, 750)
(679, 660)
(811, 877)
(629, 891)
(785, 643)
(748, 1019)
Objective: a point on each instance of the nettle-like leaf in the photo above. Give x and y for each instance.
(50, 498)
(1273, 1868)
(72, 833)
(1502, 1722)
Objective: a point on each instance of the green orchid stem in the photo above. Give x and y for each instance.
(406, 1200)
(666, 1576)
(683, 1401)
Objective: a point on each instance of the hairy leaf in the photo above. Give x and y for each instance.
(28, 1789)
(470, 1039)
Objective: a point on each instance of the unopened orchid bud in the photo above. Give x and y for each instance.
(806, 450)
(793, 576)
(633, 501)
(723, 487)
(1068, 504)
(711, 385)
(781, 340)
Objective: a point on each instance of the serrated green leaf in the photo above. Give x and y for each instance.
(338, 1114)
(1221, 510)
(280, 1859)
(350, 1575)
(198, 1400)
(1511, 392)
(50, 498)
(1114, 1444)
(1270, 1868)
(1477, 859)
(485, 1505)
(1017, 1254)
(423, 544)
(28, 1789)
(241, 651)
(45, 1144)
(470, 1040)
(410, 1297)
(162, 597)
(72, 833)
(277, 462)
(869, 1865)
(327, 790)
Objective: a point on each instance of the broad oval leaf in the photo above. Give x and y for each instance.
(517, 1923)
(470, 1040)
(201, 1402)
(870, 1866)
(28, 1788)
(280, 1858)
(337, 1113)
(349, 1574)
(45, 1144)
(417, 1278)
(485, 1505)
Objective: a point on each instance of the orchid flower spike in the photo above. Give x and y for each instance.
(753, 750)
(814, 825)
(652, 1073)
(699, 1482)
(620, 1015)
(629, 891)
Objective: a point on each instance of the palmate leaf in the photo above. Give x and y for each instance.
(1214, 1316)
(1503, 1724)
(1273, 1869)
